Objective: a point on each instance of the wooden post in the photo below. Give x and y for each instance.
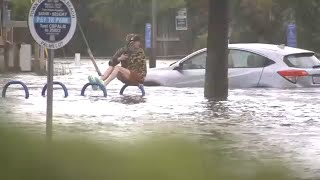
(152, 62)
(2, 62)
(36, 64)
(43, 62)
(216, 80)
(6, 48)
(36, 52)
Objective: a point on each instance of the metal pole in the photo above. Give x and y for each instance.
(49, 95)
(153, 62)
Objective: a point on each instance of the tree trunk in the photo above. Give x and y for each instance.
(216, 80)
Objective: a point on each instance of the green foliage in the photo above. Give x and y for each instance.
(264, 21)
(28, 157)
(108, 21)
(20, 9)
(308, 24)
(128, 15)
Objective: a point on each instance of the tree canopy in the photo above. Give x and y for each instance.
(107, 21)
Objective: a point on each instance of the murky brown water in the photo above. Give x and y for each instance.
(284, 123)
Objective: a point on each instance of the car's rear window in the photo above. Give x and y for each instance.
(303, 60)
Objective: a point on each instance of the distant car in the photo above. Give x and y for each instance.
(250, 66)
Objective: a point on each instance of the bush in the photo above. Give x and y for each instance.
(28, 157)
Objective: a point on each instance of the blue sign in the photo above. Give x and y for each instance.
(148, 35)
(292, 35)
(48, 20)
(52, 23)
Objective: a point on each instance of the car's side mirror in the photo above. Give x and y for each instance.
(179, 67)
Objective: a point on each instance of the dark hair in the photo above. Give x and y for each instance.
(133, 38)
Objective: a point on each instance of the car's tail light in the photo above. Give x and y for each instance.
(292, 75)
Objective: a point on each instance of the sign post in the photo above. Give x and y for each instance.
(148, 36)
(52, 24)
(292, 35)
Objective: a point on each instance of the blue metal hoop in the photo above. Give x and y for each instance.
(103, 88)
(140, 86)
(26, 90)
(44, 89)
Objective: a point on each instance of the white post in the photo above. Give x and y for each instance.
(25, 57)
(77, 59)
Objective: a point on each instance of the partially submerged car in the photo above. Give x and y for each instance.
(250, 65)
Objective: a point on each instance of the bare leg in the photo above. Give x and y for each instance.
(107, 73)
(118, 71)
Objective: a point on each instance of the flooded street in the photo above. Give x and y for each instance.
(282, 123)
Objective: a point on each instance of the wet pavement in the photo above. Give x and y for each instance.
(281, 123)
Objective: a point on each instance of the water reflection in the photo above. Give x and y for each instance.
(219, 108)
(130, 99)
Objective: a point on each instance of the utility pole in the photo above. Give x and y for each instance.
(153, 59)
(5, 22)
(216, 80)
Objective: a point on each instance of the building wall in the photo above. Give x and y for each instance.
(172, 42)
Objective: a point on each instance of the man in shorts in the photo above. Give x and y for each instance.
(133, 69)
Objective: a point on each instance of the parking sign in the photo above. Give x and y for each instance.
(52, 23)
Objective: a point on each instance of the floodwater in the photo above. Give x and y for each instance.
(281, 123)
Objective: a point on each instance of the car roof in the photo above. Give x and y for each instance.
(269, 48)
(264, 49)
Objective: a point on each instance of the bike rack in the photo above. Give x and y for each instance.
(44, 89)
(102, 87)
(140, 86)
(26, 90)
(66, 94)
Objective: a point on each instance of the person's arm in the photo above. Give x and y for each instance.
(141, 62)
(115, 59)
